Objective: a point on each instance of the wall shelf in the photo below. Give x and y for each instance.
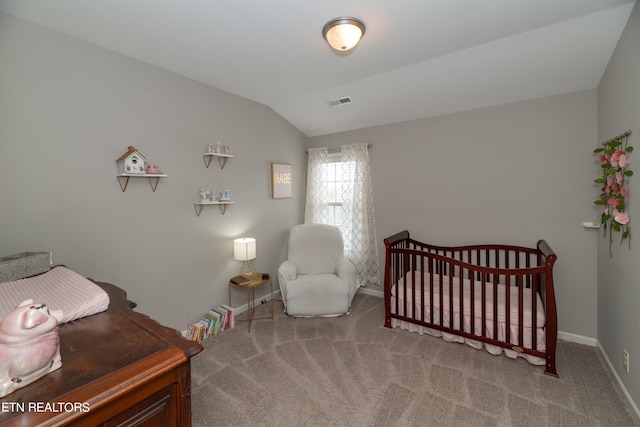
(590, 225)
(223, 206)
(222, 159)
(123, 179)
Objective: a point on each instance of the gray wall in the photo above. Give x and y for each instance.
(69, 109)
(510, 174)
(618, 276)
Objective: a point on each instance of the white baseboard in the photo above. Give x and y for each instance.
(622, 386)
(578, 339)
(257, 302)
(372, 292)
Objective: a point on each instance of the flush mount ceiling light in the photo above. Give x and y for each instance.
(343, 34)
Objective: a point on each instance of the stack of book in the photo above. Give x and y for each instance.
(213, 322)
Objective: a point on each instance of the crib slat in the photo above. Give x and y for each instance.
(451, 293)
(472, 299)
(431, 271)
(519, 283)
(507, 306)
(484, 304)
(420, 268)
(405, 269)
(495, 308)
(440, 293)
(534, 311)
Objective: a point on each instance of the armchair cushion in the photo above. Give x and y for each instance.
(315, 248)
(317, 295)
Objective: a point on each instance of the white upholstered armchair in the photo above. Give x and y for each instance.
(316, 279)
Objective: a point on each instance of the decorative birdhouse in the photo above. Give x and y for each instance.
(132, 162)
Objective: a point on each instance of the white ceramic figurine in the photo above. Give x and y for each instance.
(29, 345)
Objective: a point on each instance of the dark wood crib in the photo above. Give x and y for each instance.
(497, 296)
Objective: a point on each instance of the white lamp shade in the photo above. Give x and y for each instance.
(244, 249)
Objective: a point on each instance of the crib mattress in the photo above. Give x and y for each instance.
(409, 278)
(60, 289)
(398, 291)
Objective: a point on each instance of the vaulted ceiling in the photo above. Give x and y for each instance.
(418, 58)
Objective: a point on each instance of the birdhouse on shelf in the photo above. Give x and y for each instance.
(132, 162)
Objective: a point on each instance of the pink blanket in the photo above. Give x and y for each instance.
(59, 288)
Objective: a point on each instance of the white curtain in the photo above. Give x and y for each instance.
(344, 182)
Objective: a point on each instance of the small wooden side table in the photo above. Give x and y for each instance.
(250, 285)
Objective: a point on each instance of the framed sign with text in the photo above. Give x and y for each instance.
(281, 181)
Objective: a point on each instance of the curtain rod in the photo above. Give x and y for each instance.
(338, 149)
(615, 138)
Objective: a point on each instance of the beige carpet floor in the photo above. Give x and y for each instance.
(351, 371)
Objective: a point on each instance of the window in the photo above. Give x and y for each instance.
(334, 172)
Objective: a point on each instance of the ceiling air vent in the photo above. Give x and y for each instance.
(341, 101)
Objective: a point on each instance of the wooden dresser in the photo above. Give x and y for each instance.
(119, 368)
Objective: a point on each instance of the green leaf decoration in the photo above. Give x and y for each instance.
(615, 144)
(599, 202)
(628, 149)
(615, 226)
(598, 150)
(628, 173)
(600, 181)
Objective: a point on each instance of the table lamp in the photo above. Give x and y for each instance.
(244, 249)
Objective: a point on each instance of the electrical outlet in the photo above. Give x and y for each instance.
(625, 360)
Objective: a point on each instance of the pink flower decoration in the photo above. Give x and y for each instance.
(615, 158)
(613, 192)
(614, 202)
(623, 161)
(621, 218)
